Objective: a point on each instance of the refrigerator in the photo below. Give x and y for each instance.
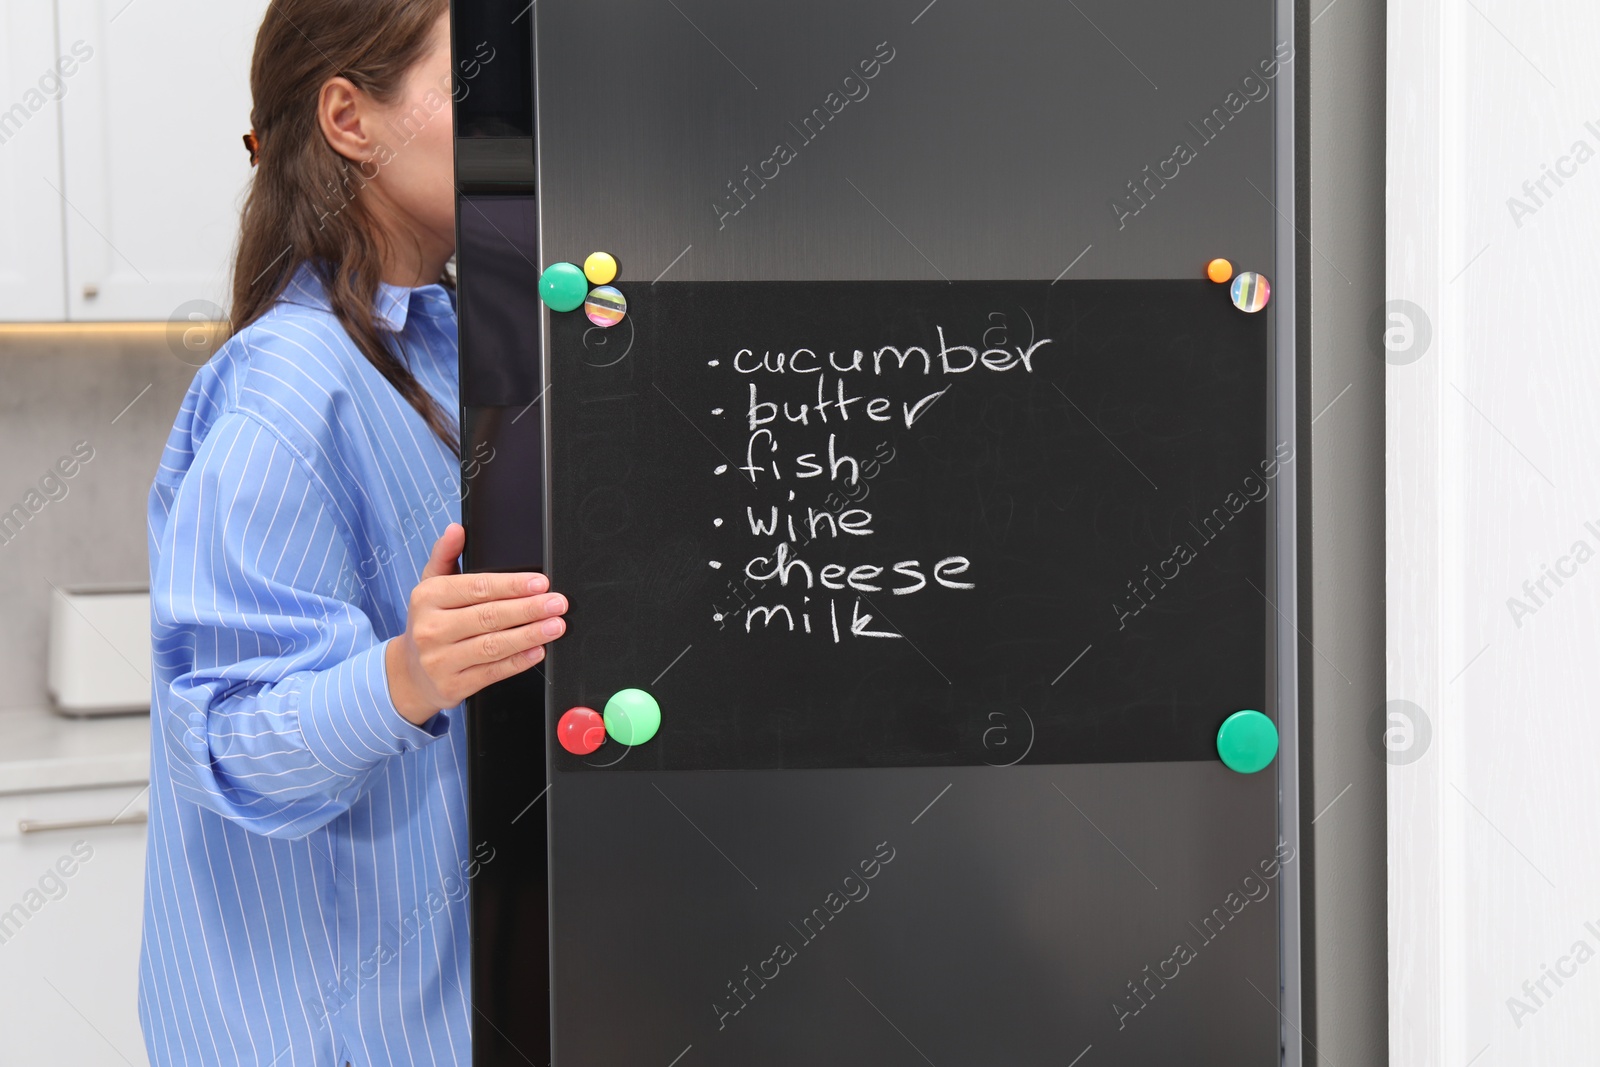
(903, 396)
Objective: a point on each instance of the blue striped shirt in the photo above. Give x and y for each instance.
(308, 863)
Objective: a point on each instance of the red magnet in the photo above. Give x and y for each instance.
(581, 731)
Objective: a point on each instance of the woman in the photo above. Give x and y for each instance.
(305, 891)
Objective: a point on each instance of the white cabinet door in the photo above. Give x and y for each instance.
(155, 170)
(31, 264)
(71, 902)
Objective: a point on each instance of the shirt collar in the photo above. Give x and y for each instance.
(391, 307)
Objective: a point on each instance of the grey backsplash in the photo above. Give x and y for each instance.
(60, 387)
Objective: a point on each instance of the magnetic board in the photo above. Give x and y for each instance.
(839, 524)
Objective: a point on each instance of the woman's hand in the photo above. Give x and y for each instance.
(467, 631)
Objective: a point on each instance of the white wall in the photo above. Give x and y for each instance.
(1493, 473)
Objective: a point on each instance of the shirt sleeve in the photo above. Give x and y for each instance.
(271, 688)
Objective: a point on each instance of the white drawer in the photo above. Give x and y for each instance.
(49, 815)
(71, 902)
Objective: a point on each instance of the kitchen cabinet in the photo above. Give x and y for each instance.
(71, 900)
(132, 173)
(32, 253)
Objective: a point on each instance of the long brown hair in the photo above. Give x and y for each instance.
(303, 206)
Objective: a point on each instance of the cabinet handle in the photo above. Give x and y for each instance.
(90, 290)
(42, 826)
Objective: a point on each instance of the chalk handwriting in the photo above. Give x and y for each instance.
(800, 575)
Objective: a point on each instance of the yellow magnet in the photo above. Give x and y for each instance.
(600, 268)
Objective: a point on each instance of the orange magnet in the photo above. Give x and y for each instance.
(1219, 270)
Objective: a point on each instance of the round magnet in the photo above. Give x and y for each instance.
(600, 267)
(1250, 291)
(581, 731)
(632, 716)
(562, 286)
(605, 306)
(1219, 270)
(1247, 741)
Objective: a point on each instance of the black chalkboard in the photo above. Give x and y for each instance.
(1067, 488)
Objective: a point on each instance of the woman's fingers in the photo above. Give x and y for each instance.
(467, 631)
(446, 550)
(460, 624)
(450, 659)
(461, 590)
(493, 647)
(486, 674)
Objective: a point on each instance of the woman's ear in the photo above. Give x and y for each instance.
(345, 114)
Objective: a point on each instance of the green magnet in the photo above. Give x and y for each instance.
(632, 717)
(562, 286)
(1247, 741)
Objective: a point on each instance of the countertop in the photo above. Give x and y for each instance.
(41, 750)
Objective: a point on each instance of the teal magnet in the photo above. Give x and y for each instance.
(562, 286)
(632, 717)
(1247, 741)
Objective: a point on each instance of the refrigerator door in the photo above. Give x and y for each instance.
(935, 496)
